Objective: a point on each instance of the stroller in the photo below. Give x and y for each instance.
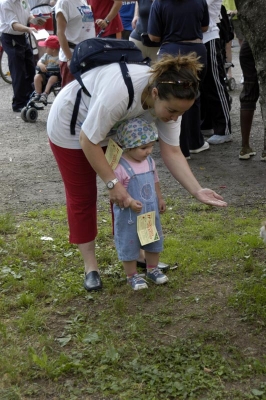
(226, 35)
(30, 112)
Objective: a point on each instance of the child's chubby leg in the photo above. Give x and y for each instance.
(51, 81)
(154, 274)
(133, 278)
(38, 82)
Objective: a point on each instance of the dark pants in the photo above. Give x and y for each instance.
(22, 67)
(250, 92)
(215, 105)
(191, 137)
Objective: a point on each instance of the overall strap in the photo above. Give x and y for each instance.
(149, 159)
(127, 167)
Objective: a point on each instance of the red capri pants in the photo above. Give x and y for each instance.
(81, 193)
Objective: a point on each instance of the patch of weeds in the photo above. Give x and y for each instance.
(250, 297)
(7, 224)
(31, 321)
(162, 343)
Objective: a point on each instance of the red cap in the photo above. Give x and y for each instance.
(52, 42)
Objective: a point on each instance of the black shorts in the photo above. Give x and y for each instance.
(250, 92)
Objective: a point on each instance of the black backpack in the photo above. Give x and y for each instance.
(95, 52)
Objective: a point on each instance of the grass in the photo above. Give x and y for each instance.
(201, 336)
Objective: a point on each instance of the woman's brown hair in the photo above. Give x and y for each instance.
(176, 76)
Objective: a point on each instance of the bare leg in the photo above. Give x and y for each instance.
(130, 267)
(246, 118)
(88, 253)
(38, 81)
(152, 258)
(51, 81)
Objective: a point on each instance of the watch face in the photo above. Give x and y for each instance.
(110, 185)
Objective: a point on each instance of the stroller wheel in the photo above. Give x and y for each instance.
(231, 84)
(23, 114)
(31, 114)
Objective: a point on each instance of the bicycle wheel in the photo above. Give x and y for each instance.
(4, 69)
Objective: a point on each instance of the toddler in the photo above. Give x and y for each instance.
(136, 171)
(46, 78)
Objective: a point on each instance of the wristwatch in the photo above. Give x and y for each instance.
(107, 21)
(111, 184)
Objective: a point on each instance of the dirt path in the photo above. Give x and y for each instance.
(30, 179)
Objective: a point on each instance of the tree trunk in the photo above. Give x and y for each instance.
(252, 16)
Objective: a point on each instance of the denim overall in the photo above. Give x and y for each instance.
(140, 187)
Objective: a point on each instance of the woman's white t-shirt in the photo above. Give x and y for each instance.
(80, 22)
(106, 107)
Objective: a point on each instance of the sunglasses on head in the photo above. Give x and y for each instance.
(183, 84)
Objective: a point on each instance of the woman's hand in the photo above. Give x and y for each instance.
(208, 196)
(119, 196)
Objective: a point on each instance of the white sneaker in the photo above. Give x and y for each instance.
(220, 139)
(207, 132)
(205, 146)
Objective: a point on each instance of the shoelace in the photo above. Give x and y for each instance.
(136, 278)
(156, 271)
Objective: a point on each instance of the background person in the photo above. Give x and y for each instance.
(75, 23)
(136, 171)
(127, 14)
(139, 35)
(80, 157)
(179, 26)
(107, 18)
(215, 104)
(15, 15)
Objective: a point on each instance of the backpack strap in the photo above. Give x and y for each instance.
(75, 112)
(128, 82)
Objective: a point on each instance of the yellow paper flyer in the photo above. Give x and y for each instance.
(113, 153)
(147, 231)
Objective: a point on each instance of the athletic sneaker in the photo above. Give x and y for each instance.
(155, 275)
(205, 146)
(137, 282)
(43, 98)
(36, 97)
(246, 153)
(219, 139)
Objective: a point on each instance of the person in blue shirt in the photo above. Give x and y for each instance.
(179, 26)
(127, 14)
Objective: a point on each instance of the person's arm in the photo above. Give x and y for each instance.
(179, 168)
(42, 66)
(61, 28)
(16, 26)
(155, 24)
(102, 23)
(204, 28)
(95, 155)
(136, 16)
(155, 38)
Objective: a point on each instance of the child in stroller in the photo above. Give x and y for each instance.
(44, 76)
(47, 79)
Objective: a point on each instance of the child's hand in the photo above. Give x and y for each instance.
(162, 206)
(136, 206)
(42, 67)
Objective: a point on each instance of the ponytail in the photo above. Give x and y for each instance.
(176, 76)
